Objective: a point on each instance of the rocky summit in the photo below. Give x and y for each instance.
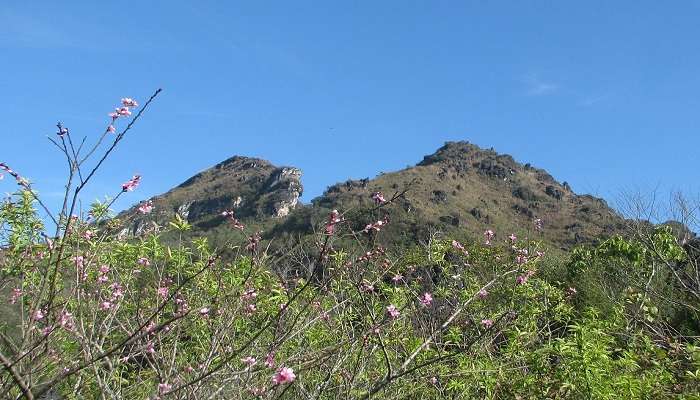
(252, 188)
(461, 189)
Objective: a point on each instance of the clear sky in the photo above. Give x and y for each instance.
(602, 94)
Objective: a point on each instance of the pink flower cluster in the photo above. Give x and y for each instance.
(376, 226)
(522, 279)
(283, 375)
(146, 207)
(333, 219)
(459, 247)
(16, 294)
(392, 311)
(521, 257)
(378, 198)
(488, 236)
(228, 214)
(123, 111)
(487, 323)
(426, 299)
(131, 184)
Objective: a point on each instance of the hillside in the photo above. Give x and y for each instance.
(460, 188)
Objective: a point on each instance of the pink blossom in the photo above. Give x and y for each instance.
(513, 238)
(376, 226)
(270, 360)
(163, 292)
(78, 260)
(129, 102)
(111, 128)
(378, 198)
(433, 380)
(66, 320)
(39, 315)
(488, 235)
(249, 361)
(250, 309)
(283, 375)
(392, 311)
(131, 184)
(426, 299)
(16, 294)
(397, 278)
(333, 219)
(459, 247)
(487, 323)
(106, 305)
(204, 311)
(482, 293)
(123, 111)
(117, 291)
(144, 261)
(164, 388)
(522, 279)
(149, 348)
(146, 207)
(249, 294)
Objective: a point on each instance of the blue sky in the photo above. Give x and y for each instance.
(604, 95)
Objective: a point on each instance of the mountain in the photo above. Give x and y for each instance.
(461, 189)
(253, 188)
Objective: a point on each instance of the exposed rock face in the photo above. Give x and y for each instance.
(253, 188)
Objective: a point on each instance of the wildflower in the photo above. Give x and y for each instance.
(426, 299)
(88, 234)
(433, 380)
(131, 184)
(39, 315)
(117, 291)
(522, 279)
(149, 348)
(78, 260)
(235, 222)
(283, 375)
(163, 292)
(488, 235)
(129, 102)
(143, 261)
(397, 278)
(378, 198)
(513, 238)
(146, 207)
(16, 294)
(249, 294)
(482, 293)
(377, 226)
(106, 305)
(487, 323)
(459, 247)
(392, 311)
(251, 308)
(164, 388)
(204, 312)
(333, 219)
(538, 224)
(270, 360)
(249, 361)
(66, 320)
